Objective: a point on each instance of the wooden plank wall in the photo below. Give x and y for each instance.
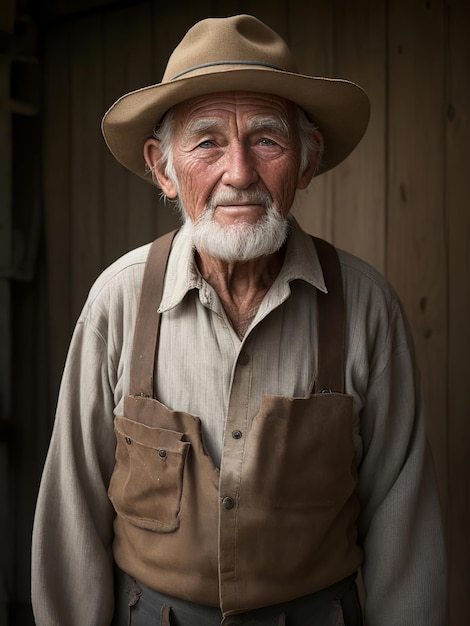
(400, 202)
(5, 320)
(456, 200)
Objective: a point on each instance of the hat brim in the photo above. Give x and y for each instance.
(339, 108)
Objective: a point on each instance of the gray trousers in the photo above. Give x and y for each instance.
(138, 605)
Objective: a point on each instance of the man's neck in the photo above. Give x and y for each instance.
(241, 287)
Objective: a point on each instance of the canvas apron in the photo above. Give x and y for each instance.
(283, 526)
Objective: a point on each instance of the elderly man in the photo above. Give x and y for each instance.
(239, 428)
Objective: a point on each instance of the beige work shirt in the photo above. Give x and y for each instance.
(204, 368)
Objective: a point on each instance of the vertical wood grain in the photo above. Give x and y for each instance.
(311, 38)
(347, 205)
(416, 259)
(143, 199)
(57, 153)
(5, 169)
(87, 168)
(116, 81)
(6, 520)
(457, 198)
(359, 192)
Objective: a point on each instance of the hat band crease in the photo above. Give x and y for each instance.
(213, 64)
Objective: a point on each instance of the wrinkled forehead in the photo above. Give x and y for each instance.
(238, 103)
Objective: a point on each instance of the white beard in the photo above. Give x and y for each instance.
(242, 241)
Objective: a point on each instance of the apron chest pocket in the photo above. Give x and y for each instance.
(147, 481)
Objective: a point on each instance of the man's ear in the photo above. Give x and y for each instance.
(306, 176)
(152, 156)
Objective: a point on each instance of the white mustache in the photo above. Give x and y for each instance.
(222, 198)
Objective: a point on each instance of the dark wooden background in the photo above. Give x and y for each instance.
(67, 209)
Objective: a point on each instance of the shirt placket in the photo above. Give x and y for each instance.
(236, 427)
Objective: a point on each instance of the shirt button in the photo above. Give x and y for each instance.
(228, 503)
(243, 359)
(237, 434)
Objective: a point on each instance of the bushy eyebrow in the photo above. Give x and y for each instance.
(270, 123)
(201, 125)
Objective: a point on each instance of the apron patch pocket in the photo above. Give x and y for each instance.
(147, 481)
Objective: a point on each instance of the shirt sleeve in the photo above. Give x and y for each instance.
(400, 526)
(72, 571)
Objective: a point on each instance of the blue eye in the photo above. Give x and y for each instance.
(206, 144)
(267, 142)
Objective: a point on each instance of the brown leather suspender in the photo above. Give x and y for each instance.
(331, 320)
(331, 323)
(148, 318)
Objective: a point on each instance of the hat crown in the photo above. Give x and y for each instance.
(238, 40)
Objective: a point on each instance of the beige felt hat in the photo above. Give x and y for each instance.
(237, 53)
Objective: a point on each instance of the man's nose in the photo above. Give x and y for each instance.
(239, 167)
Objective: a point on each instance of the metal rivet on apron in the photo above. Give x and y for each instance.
(128, 441)
(228, 503)
(237, 434)
(162, 453)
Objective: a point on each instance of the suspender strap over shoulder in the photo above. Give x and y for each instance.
(148, 318)
(331, 320)
(331, 323)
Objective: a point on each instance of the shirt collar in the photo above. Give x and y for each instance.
(182, 275)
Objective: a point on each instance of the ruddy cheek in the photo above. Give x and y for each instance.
(194, 191)
(281, 183)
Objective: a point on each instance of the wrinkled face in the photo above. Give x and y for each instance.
(231, 151)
